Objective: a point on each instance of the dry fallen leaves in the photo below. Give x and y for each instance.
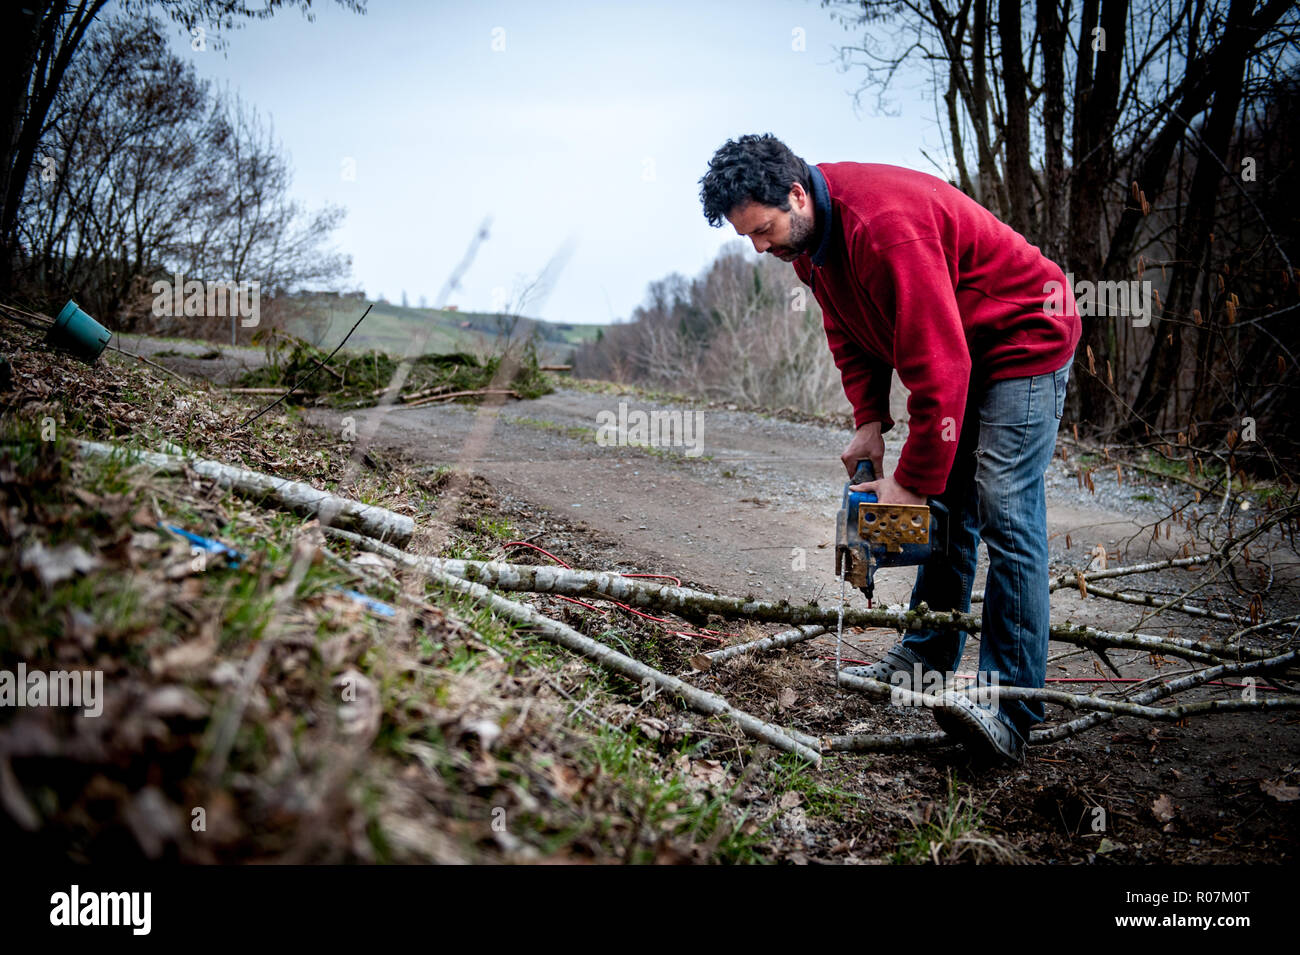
(52, 565)
(1279, 790)
(1163, 808)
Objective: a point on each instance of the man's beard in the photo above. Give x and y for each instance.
(801, 233)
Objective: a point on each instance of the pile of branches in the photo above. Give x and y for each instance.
(359, 378)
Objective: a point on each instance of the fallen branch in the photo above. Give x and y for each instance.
(1071, 578)
(336, 373)
(697, 605)
(1147, 600)
(413, 395)
(787, 639)
(1074, 727)
(885, 742)
(460, 394)
(788, 741)
(1280, 621)
(1073, 701)
(366, 519)
(33, 320)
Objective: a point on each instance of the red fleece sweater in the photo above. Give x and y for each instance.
(915, 275)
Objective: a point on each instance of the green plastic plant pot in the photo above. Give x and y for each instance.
(78, 333)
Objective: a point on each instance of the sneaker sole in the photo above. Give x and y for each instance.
(966, 727)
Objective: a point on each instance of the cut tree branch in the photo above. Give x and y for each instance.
(333, 511)
(710, 704)
(697, 605)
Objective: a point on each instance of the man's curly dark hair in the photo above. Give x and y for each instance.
(752, 168)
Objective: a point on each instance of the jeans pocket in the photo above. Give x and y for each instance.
(1061, 379)
(1007, 403)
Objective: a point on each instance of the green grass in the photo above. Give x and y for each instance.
(790, 774)
(501, 528)
(667, 805)
(465, 548)
(1171, 467)
(952, 833)
(577, 432)
(1273, 492)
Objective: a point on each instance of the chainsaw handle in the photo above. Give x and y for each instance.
(863, 472)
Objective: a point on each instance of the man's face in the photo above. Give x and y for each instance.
(783, 234)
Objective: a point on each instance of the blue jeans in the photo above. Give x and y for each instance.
(996, 493)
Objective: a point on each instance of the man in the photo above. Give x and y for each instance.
(914, 275)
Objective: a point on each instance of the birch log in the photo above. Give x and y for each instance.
(886, 742)
(696, 604)
(1162, 690)
(789, 741)
(1071, 578)
(341, 512)
(776, 642)
(1075, 701)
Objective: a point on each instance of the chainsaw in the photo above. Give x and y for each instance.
(870, 535)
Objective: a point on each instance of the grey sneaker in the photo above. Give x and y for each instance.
(979, 728)
(898, 659)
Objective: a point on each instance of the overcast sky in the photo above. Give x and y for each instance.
(592, 123)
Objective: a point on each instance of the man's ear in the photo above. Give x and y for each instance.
(799, 198)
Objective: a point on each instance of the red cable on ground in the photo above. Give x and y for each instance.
(581, 603)
(535, 547)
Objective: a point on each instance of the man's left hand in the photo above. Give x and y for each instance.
(889, 491)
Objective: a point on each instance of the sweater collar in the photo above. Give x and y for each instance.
(824, 212)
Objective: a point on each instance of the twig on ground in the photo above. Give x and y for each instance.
(1071, 578)
(460, 394)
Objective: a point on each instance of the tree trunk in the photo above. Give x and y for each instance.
(1051, 31)
(1015, 138)
(1192, 243)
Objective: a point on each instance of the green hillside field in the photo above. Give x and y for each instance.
(323, 321)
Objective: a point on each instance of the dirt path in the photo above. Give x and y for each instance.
(754, 513)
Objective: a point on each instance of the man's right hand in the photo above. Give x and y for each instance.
(867, 443)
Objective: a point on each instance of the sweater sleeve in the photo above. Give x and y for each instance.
(866, 380)
(913, 281)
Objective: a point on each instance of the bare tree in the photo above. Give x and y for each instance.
(39, 42)
(1101, 131)
(746, 330)
(151, 174)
